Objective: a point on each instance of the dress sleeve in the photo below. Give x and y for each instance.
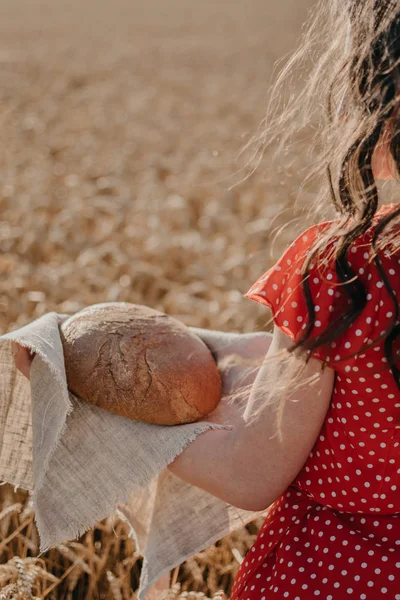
(280, 288)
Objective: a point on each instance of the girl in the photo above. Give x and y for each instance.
(327, 463)
(318, 445)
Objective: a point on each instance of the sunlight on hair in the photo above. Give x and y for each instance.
(337, 100)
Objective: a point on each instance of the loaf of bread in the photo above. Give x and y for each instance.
(139, 363)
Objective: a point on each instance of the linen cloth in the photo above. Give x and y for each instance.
(81, 463)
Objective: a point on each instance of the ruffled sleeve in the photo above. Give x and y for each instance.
(280, 288)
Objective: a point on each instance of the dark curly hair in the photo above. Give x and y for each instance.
(349, 59)
(356, 78)
(371, 76)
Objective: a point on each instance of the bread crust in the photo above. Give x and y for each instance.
(139, 363)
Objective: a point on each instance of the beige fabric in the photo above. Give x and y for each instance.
(81, 463)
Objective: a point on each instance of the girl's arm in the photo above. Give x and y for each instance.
(250, 466)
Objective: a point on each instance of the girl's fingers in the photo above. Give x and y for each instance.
(23, 358)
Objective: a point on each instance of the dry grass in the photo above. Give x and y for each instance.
(103, 563)
(121, 122)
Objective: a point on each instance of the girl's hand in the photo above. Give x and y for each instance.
(239, 357)
(23, 358)
(249, 466)
(206, 462)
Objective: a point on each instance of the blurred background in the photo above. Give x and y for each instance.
(121, 179)
(121, 124)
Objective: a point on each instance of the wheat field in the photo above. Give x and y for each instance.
(122, 180)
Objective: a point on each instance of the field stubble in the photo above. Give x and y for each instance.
(119, 181)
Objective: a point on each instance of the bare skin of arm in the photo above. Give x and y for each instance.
(250, 466)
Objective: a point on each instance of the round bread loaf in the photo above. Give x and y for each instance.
(139, 363)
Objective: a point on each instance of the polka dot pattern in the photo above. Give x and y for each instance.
(335, 532)
(305, 550)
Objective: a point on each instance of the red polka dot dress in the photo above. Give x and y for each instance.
(335, 532)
